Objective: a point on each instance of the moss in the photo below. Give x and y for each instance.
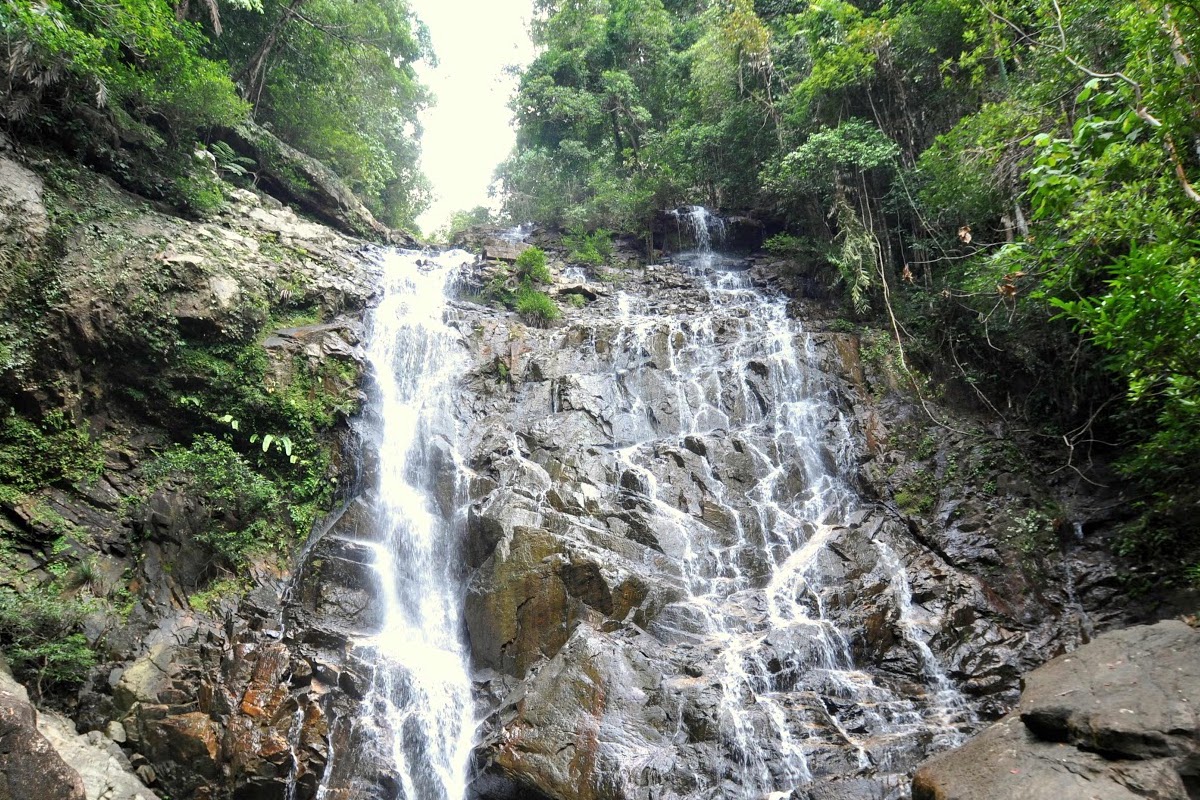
(245, 507)
(205, 601)
(917, 501)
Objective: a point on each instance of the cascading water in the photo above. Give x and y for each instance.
(692, 435)
(756, 593)
(416, 723)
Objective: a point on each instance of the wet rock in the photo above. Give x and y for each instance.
(1115, 719)
(517, 611)
(581, 719)
(187, 738)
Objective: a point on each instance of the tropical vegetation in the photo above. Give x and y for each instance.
(138, 86)
(1006, 186)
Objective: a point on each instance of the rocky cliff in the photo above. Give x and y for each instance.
(709, 548)
(148, 523)
(715, 554)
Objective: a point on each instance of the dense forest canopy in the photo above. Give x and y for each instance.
(135, 85)
(1008, 184)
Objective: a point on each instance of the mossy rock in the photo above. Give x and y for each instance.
(301, 180)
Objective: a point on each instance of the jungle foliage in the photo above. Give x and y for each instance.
(138, 86)
(1007, 185)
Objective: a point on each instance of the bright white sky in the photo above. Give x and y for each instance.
(469, 130)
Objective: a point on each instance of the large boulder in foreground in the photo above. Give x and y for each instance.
(30, 767)
(1118, 718)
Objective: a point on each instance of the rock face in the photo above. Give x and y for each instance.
(30, 767)
(1118, 718)
(198, 693)
(301, 180)
(679, 584)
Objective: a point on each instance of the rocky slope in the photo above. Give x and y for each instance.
(634, 481)
(144, 330)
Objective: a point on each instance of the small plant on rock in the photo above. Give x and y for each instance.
(531, 266)
(536, 305)
(593, 248)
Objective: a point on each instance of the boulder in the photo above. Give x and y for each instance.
(30, 767)
(502, 250)
(293, 177)
(103, 767)
(1118, 718)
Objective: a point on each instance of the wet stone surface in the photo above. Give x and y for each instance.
(677, 587)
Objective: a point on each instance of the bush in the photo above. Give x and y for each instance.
(531, 266)
(243, 505)
(39, 630)
(594, 249)
(34, 455)
(536, 305)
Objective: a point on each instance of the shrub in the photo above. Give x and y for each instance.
(33, 455)
(535, 304)
(39, 630)
(243, 505)
(593, 248)
(531, 266)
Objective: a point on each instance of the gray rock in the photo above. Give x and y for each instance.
(116, 731)
(502, 250)
(1119, 718)
(297, 178)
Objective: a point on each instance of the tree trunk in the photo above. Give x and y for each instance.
(254, 76)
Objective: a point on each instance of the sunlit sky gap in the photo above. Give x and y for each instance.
(469, 130)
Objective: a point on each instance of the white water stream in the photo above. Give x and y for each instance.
(419, 706)
(786, 518)
(739, 373)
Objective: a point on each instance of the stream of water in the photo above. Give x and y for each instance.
(744, 370)
(419, 707)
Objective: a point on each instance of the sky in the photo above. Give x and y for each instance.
(468, 132)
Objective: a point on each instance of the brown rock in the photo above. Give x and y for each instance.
(30, 767)
(517, 609)
(188, 739)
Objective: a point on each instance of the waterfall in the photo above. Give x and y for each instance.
(677, 449)
(418, 713)
(700, 226)
(743, 374)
